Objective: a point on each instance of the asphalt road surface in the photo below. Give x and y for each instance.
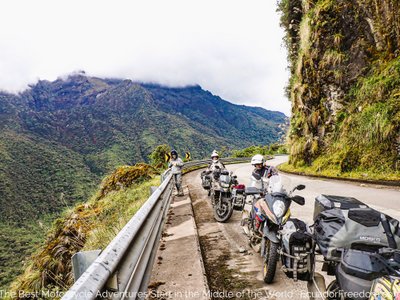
(233, 266)
(386, 200)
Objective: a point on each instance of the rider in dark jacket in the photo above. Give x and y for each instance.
(261, 169)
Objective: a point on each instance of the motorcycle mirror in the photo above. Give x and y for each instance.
(299, 200)
(300, 187)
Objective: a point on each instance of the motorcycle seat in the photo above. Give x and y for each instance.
(251, 190)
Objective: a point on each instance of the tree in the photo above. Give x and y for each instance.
(157, 157)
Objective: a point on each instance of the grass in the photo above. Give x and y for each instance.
(88, 226)
(263, 150)
(322, 167)
(118, 209)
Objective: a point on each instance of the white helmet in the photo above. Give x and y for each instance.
(214, 154)
(257, 159)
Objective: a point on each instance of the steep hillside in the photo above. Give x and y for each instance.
(345, 85)
(57, 139)
(87, 226)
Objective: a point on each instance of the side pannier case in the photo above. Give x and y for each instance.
(356, 228)
(298, 248)
(325, 202)
(205, 180)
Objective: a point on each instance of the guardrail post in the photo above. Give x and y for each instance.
(82, 260)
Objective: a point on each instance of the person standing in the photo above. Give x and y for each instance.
(176, 165)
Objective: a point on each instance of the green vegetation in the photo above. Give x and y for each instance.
(58, 139)
(21, 243)
(157, 157)
(88, 226)
(344, 86)
(264, 150)
(321, 168)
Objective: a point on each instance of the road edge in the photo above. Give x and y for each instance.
(351, 180)
(203, 269)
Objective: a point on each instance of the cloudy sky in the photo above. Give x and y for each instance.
(232, 48)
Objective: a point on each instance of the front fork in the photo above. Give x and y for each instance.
(219, 201)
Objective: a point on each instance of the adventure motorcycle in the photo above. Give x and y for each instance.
(364, 275)
(221, 194)
(359, 247)
(256, 189)
(289, 241)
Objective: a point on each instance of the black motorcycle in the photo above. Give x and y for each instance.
(221, 194)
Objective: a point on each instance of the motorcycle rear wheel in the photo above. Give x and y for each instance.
(225, 212)
(270, 259)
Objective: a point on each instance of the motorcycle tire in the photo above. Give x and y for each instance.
(225, 214)
(270, 260)
(333, 291)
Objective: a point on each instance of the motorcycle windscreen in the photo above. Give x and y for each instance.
(224, 179)
(275, 185)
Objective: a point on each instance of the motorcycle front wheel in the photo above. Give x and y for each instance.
(270, 259)
(223, 212)
(334, 292)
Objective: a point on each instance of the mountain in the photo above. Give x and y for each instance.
(58, 139)
(344, 87)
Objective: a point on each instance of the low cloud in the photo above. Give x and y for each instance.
(232, 48)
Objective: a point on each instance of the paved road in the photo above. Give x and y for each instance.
(386, 200)
(226, 241)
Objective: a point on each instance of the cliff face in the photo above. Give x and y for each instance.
(345, 83)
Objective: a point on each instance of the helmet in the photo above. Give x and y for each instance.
(257, 159)
(173, 152)
(214, 154)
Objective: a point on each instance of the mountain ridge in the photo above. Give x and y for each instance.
(104, 123)
(59, 138)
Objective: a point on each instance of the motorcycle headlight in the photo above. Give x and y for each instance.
(278, 208)
(224, 184)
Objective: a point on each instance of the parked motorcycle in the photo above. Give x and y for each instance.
(359, 246)
(365, 275)
(256, 189)
(282, 238)
(248, 220)
(221, 194)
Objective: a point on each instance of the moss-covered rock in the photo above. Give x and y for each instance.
(345, 86)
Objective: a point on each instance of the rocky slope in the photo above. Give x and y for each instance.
(345, 84)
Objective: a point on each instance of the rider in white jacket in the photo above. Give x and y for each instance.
(215, 162)
(176, 165)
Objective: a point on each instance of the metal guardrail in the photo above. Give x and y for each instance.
(130, 255)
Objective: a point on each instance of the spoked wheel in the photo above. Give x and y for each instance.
(270, 259)
(223, 211)
(334, 292)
